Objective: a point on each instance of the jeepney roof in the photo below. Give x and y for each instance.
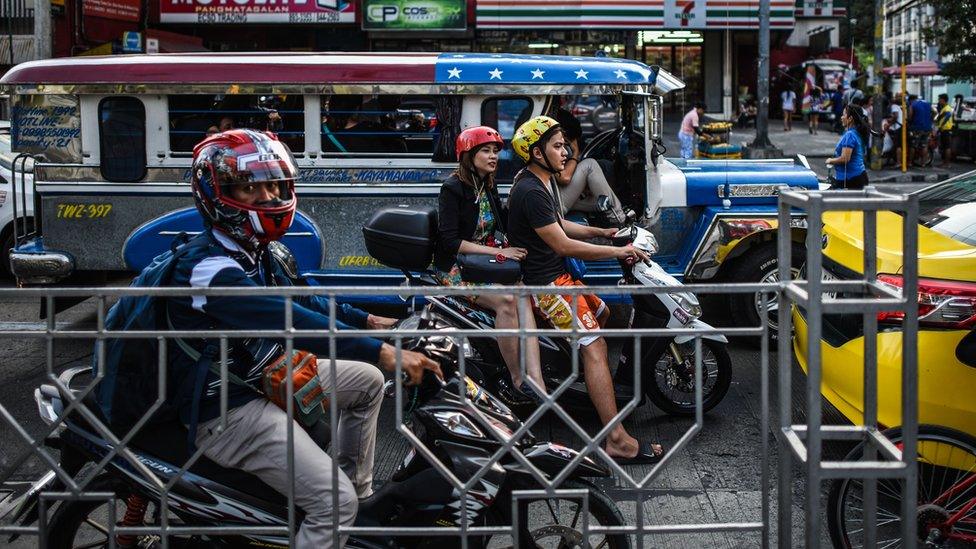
(335, 69)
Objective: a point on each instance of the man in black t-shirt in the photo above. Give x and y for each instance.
(535, 223)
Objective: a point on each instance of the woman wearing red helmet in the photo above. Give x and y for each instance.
(472, 221)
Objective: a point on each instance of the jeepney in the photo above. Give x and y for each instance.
(113, 136)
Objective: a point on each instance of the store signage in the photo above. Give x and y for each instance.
(233, 12)
(131, 42)
(415, 14)
(122, 10)
(152, 45)
(685, 14)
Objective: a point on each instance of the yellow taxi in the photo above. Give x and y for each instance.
(946, 306)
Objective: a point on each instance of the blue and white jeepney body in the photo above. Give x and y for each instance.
(112, 138)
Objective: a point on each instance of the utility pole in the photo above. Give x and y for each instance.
(878, 113)
(42, 29)
(761, 147)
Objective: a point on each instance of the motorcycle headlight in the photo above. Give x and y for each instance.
(688, 303)
(458, 424)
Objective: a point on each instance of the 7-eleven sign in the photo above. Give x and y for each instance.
(684, 14)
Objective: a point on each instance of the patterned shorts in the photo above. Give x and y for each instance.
(558, 309)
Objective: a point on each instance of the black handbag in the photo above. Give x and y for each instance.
(490, 269)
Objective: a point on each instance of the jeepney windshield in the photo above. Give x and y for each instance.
(194, 117)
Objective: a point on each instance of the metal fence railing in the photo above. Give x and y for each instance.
(183, 502)
(866, 297)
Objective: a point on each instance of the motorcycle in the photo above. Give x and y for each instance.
(456, 419)
(667, 364)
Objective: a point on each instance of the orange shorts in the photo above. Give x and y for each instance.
(558, 309)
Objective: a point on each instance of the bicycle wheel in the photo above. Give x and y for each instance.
(946, 487)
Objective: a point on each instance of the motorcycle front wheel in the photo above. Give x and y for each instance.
(558, 522)
(672, 385)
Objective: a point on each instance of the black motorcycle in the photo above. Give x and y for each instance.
(461, 423)
(402, 239)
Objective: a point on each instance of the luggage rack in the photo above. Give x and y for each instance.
(867, 296)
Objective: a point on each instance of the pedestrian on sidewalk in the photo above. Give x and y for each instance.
(919, 130)
(816, 107)
(945, 122)
(837, 108)
(788, 97)
(690, 129)
(848, 162)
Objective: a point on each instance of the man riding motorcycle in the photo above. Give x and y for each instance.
(243, 183)
(536, 224)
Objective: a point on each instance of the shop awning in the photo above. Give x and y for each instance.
(630, 14)
(172, 42)
(919, 68)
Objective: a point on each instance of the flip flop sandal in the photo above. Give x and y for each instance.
(645, 455)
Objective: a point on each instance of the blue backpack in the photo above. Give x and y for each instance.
(130, 385)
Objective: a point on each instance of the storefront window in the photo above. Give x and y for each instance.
(680, 53)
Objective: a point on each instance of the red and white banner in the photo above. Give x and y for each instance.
(122, 10)
(232, 12)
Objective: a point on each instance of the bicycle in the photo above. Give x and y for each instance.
(946, 510)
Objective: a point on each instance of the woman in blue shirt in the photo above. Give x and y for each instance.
(848, 162)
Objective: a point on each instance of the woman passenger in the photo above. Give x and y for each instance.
(471, 221)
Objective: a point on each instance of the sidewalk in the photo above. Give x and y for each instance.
(821, 146)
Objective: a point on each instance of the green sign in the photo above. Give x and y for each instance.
(415, 14)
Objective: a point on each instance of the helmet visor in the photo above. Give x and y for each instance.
(271, 163)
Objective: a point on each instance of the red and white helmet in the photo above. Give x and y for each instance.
(242, 157)
(472, 138)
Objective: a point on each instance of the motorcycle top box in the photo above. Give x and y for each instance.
(402, 238)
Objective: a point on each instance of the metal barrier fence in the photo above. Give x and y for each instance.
(167, 488)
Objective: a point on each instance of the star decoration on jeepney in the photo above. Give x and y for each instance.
(620, 73)
(454, 73)
(495, 74)
(538, 73)
(581, 74)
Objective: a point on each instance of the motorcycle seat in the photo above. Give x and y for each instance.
(167, 441)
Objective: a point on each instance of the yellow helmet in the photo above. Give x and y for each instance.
(529, 133)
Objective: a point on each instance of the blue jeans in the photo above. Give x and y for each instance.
(687, 145)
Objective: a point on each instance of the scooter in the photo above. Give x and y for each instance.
(456, 419)
(667, 365)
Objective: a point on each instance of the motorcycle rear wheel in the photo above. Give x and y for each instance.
(84, 523)
(673, 390)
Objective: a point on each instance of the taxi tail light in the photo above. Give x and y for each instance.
(941, 303)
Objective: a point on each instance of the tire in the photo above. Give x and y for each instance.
(759, 265)
(673, 391)
(936, 444)
(603, 511)
(68, 527)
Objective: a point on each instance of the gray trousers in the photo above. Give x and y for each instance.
(587, 177)
(256, 440)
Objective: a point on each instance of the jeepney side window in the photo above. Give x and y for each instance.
(372, 125)
(122, 138)
(194, 117)
(506, 114)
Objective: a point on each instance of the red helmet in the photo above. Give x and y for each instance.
(242, 157)
(472, 138)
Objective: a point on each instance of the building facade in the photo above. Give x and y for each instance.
(905, 43)
(710, 44)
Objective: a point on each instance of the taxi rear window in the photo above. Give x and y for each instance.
(193, 117)
(950, 208)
